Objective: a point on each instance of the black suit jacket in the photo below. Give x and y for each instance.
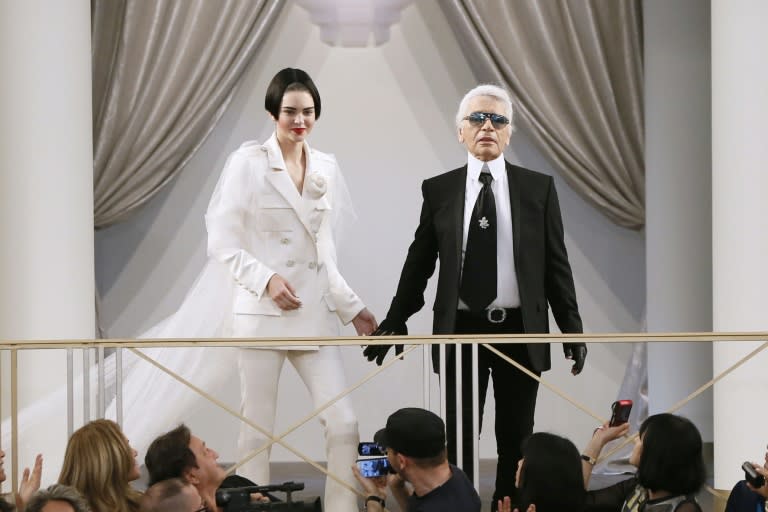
(541, 260)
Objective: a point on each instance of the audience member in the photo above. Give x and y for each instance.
(424, 480)
(179, 454)
(549, 476)
(58, 498)
(30, 483)
(670, 468)
(172, 495)
(100, 464)
(747, 498)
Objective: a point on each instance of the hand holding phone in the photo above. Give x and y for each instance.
(752, 477)
(620, 410)
(373, 467)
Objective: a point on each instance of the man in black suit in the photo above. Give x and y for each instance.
(498, 233)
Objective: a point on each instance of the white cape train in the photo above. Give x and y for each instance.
(153, 401)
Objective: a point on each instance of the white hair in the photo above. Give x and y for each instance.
(494, 91)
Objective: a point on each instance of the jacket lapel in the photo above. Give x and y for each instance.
(279, 178)
(514, 204)
(458, 213)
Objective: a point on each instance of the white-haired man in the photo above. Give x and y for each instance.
(497, 231)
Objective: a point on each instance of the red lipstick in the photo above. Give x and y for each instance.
(298, 131)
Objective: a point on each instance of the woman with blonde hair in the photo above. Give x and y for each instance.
(100, 464)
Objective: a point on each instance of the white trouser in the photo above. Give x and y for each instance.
(323, 374)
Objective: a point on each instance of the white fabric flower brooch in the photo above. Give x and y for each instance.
(316, 186)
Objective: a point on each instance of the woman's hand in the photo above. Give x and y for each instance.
(600, 437)
(282, 293)
(505, 505)
(30, 483)
(365, 323)
(605, 434)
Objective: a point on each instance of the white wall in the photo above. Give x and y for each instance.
(388, 116)
(679, 186)
(46, 203)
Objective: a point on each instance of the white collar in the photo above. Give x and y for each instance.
(497, 167)
(276, 155)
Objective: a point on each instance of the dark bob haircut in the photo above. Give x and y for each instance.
(286, 80)
(551, 476)
(169, 455)
(671, 459)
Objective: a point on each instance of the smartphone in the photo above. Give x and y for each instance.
(368, 449)
(753, 477)
(620, 410)
(371, 468)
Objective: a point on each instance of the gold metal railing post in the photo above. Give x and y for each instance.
(14, 421)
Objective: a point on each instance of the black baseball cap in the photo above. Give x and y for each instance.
(413, 432)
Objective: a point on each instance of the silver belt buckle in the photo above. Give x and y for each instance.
(496, 315)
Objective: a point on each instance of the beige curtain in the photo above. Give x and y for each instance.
(575, 70)
(164, 72)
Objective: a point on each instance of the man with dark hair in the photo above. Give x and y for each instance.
(415, 443)
(179, 454)
(172, 495)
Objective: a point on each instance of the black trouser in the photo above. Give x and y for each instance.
(514, 393)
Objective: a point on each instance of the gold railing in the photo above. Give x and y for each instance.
(13, 346)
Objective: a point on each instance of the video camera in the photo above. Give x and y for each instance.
(238, 499)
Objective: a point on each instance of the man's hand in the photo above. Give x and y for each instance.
(376, 486)
(365, 323)
(578, 353)
(30, 483)
(386, 328)
(257, 497)
(282, 293)
(762, 491)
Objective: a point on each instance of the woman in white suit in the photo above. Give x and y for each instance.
(271, 223)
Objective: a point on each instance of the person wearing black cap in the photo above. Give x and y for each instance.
(415, 442)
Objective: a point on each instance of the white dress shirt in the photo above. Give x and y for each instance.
(507, 293)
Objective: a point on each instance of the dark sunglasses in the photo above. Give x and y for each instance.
(478, 119)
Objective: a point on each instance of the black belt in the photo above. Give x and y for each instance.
(493, 315)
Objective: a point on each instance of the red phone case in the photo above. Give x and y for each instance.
(620, 412)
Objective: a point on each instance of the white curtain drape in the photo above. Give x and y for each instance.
(575, 71)
(164, 72)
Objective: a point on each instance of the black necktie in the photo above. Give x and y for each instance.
(478, 277)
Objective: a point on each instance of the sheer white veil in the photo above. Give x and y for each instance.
(154, 402)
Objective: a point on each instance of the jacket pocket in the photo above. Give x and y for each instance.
(275, 214)
(248, 304)
(329, 302)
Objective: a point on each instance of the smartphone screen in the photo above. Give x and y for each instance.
(371, 468)
(370, 449)
(620, 410)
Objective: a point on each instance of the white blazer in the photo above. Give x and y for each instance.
(259, 225)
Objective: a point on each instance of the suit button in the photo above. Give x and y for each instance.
(285, 241)
(290, 263)
(312, 265)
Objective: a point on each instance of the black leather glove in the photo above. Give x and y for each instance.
(577, 352)
(387, 327)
